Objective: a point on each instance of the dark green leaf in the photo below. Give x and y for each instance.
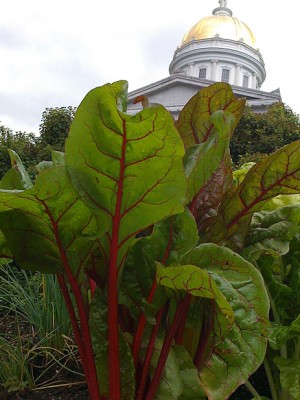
(276, 174)
(279, 335)
(243, 348)
(191, 387)
(194, 123)
(169, 241)
(289, 376)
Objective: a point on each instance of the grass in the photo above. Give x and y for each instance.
(36, 343)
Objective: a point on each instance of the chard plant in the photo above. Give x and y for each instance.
(272, 244)
(142, 225)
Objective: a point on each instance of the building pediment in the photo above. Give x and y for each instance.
(175, 91)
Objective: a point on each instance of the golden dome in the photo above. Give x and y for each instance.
(223, 26)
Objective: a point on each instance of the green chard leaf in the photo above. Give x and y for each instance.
(276, 174)
(279, 334)
(191, 387)
(289, 375)
(272, 231)
(198, 283)
(171, 385)
(169, 241)
(203, 160)
(17, 177)
(4, 248)
(128, 169)
(243, 348)
(194, 123)
(206, 124)
(43, 225)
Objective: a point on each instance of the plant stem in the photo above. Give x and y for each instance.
(148, 356)
(297, 349)
(141, 327)
(206, 330)
(252, 390)
(180, 312)
(270, 379)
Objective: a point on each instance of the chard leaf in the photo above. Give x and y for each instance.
(272, 232)
(205, 204)
(4, 248)
(242, 350)
(289, 376)
(170, 240)
(239, 174)
(128, 169)
(198, 283)
(43, 225)
(282, 292)
(261, 398)
(170, 387)
(276, 174)
(191, 387)
(99, 331)
(17, 177)
(194, 123)
(202, 161)
(279, 334)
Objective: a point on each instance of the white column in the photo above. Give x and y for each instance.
(191, 71)
(214, 70)
(237, 79)
(254, 80)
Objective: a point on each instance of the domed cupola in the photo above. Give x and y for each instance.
(220, 48)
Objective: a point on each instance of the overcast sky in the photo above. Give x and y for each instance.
(53, 52)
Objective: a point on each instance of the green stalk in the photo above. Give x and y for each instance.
(297, 349)
(252, 390)
(270, 379)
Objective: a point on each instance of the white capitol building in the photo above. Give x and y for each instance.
(218, 48)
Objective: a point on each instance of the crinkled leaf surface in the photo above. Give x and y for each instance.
(198, 283)
(43, 225)
(289, 375)
(202, 161)
(276, 174)
(272, 231)
(194, 123)
(205, 204)
(171, 386)
(279, 334)
(127, 168)
(169, 241)
(191, 387)
(243, 348)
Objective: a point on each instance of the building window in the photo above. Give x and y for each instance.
(202, 73)
(245, 81)
(225, 75)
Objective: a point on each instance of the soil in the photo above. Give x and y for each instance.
(66, 385)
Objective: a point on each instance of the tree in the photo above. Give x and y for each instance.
(260, 134)
(55, 126)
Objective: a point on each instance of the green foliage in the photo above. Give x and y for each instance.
(258, 135)
(37, 300)
(170, 315)
(24, 144)
(55, 125)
